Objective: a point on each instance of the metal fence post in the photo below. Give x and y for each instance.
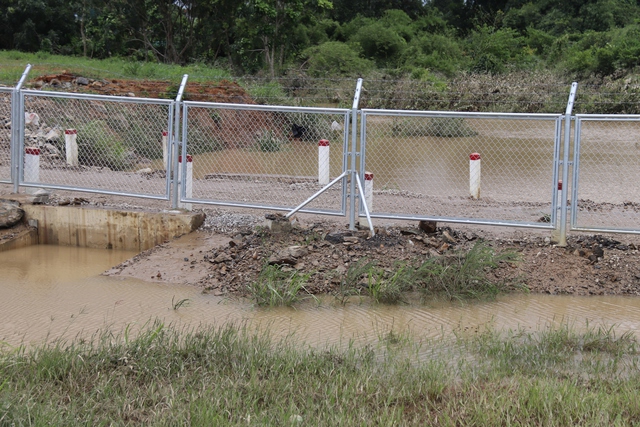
(175, 143)
(17, 120)
(353, 171)
(565, 165)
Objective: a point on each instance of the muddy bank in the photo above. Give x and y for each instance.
(224, 263)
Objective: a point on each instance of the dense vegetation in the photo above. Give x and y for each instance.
(577, 38)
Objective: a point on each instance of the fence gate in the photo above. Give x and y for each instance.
(605, 190)
(481, 168)
(267, 157)
(96, 143)
(7, 127)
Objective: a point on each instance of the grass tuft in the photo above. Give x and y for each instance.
(276, 287)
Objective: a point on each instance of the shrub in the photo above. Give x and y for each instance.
(335, 58)
(268, 142)
(98, 145)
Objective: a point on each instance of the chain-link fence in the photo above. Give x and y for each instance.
(263, 156)
(105, 144)
(606, 194)
(462, 167)
(6, 126)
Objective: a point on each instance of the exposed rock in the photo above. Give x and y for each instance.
(10, 214)
(289, 255)
(277, 223)
(428, 227)
(223, 257)
(447, 237)
(337, 236)
(82, 81)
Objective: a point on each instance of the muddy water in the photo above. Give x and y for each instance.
(53, 292)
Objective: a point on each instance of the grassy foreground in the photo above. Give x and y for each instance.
(230, 376)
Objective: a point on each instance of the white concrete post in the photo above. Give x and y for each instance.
(368, 196)
(165, 149)
(323, 162)
(31, 167)
(188, 180)
(474, 175)
(71, 146)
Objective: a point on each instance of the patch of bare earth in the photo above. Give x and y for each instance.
(224, 264)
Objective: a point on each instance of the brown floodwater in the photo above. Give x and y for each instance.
(51, 292)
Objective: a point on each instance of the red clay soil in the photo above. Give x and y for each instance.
(222, 91)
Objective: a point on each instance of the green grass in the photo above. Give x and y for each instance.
(14, 64)
(229, 375)
(276, 287)
(463, 275)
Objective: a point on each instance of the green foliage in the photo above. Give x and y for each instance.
(99, 145)
(335, 58)
(492, 51)
(435, 52)
(275, 287)
(463, 275)
(380, 43)
(268, 142)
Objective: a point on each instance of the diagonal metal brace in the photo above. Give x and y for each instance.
(364, 203)
(312, 198)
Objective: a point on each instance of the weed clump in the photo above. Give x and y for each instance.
(276, 287)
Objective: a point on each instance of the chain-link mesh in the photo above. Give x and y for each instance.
(263, 156)
(98, 143)
(5, 135)
(607, 172)
(422, 165)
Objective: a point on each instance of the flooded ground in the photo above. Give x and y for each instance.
(51, 292)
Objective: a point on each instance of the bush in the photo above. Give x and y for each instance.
(335, 58)
(381, 44)
(268, 142)
(99, 146)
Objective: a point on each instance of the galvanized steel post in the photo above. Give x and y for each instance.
(565, 164)
(17, 111)
(175, 143)
(353, 171)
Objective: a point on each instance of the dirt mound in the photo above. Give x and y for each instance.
(222, 91)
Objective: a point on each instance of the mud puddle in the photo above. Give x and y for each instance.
(52, 292)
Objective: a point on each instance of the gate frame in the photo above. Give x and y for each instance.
(580, 118)
(89, 97)
(505, 116)
(251, 107)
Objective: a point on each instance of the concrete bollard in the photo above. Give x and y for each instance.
(71, 146)
(188, 180)
(324, 161)
(368, 196)
(31, 167)
(165, 149)
(474, 175)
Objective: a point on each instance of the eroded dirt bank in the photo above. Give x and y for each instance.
(223, 259)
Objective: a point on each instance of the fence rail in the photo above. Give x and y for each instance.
(506, 169)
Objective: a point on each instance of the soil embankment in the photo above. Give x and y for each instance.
(225, 262)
